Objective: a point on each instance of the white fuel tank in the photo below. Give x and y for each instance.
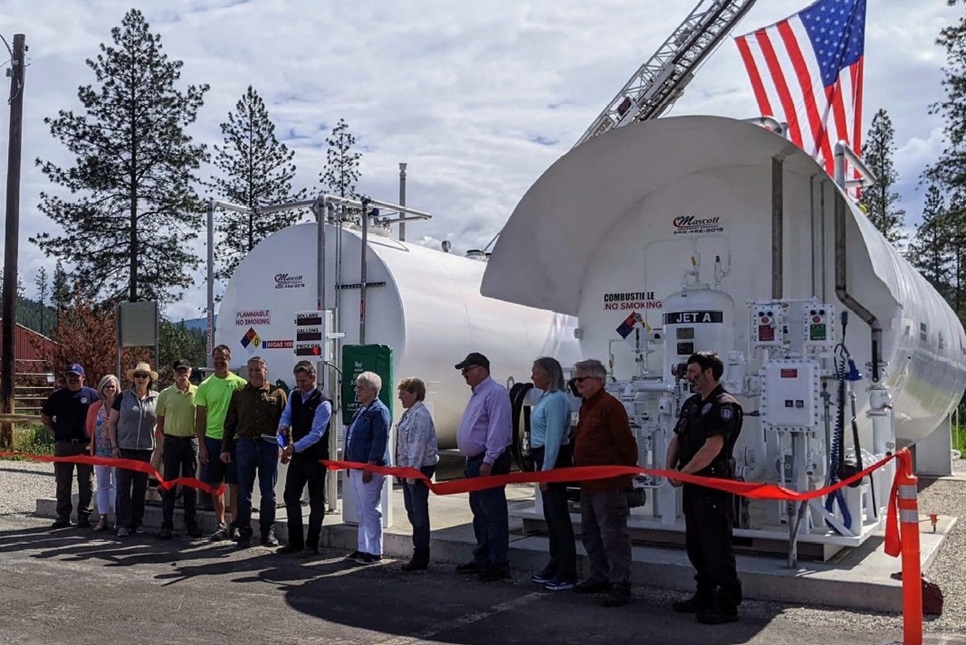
(614, 225)
(425, 304)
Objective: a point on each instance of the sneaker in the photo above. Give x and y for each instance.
(222, 533)
(166, 533)
(244, 541)
(592, 586)
(692, 605)
(193, 530)
(471, 567)
(234, 533)
(543, 577)
(61, 523)
(493, 573)
(618, 596)
(559, 584)
(368, 558)
(123, 531)
(83, 522)
(139, 530)
(354, 556)
(269, 539)
(308, 552)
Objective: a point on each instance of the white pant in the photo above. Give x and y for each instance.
(368, 501)
(106, 489)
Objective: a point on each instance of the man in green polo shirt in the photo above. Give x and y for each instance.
(211, 405)
(179, 447)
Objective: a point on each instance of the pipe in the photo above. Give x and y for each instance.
(363, 271)
(402, 200)
(777, 232)
(318, 209)
(841, 287)
(811, 223)
(211, 284)
(824, 251)
(843, 153)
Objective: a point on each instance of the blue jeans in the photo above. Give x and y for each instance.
(416, 500)
(251, 455)
(491, 524)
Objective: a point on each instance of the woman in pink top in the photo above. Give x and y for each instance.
(101, 446)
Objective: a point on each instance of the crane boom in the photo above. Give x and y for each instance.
(661, 80)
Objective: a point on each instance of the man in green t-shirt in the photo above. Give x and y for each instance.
(211, 405)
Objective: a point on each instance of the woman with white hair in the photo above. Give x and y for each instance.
(367, 442)
(100, 446)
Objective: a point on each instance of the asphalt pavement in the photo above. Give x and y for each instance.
(72, 586)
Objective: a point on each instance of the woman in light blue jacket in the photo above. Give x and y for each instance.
(416, 448)
(550, 441)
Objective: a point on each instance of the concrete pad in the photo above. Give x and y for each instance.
(858, 579)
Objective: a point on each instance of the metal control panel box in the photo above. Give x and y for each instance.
(790, 394)
(767, 324)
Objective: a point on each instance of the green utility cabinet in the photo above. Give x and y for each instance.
(357, 359)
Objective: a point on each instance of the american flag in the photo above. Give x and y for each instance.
(807, 70)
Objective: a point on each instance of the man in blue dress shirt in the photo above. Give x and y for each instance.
(484, 438)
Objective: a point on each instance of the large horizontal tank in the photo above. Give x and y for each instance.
(612, 227)
(426, 305)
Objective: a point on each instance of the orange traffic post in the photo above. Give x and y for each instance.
(908, 504)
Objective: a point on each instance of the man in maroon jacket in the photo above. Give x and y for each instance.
(604, 438)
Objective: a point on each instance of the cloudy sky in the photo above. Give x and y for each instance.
(478, 99)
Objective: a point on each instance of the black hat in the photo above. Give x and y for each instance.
(474, 358)
(180, 364)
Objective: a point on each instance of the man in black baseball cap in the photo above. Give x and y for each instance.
(474, 359)
(484, 437)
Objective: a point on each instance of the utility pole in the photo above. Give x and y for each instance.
(12, 236)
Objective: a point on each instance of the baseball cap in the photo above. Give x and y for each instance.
(474, 358)
(75, 368)
(180, 364)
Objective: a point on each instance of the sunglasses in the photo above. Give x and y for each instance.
(142, 375)
(581, 379)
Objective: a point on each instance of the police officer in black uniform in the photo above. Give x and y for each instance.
(304, 428)
(704, 440)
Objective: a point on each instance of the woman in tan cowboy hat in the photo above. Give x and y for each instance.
(131, 427)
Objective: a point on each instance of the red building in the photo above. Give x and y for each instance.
(34, 354)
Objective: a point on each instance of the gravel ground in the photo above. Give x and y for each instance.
(22, 482)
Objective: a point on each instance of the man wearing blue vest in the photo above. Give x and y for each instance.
(303, 433)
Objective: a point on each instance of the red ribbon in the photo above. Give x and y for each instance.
(754, 490)
(127, 464)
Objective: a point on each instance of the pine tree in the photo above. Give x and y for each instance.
(930, 250)
(879, 201)
(258, 171)
(131, 210)
(42, 282)
(60, 291)
(949, 171)
(341, 172)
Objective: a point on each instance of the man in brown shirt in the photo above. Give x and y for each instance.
(253, 415)
(604, 438)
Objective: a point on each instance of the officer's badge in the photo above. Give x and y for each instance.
(706, 408)
(727, 413)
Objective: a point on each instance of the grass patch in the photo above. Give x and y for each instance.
(34, 439)
(959, 439)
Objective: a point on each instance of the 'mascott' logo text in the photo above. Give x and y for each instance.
(690, 225)
(286, 281)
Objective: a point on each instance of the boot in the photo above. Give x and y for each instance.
(696, 603)
(419, 561)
